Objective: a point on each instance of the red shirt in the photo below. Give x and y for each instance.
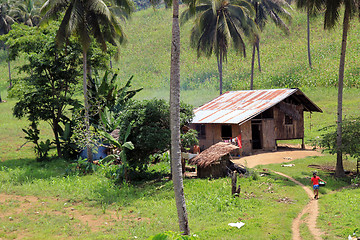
(315, 180)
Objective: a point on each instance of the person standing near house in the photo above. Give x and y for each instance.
(315, 181)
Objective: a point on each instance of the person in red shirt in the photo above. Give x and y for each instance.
(315, 181)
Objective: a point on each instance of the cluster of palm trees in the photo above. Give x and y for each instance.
(18, 11)
(23, 12)
(220, 23)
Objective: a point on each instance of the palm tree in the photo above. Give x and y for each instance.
(264, 10)
(312, 8)
(175, 122)
(26, 12)
(217, 24)
(86, 18)
(5, 25)
(331, 17)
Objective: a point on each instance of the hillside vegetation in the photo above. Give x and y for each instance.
(284, 58)
(267, 204)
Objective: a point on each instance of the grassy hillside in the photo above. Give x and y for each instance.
(284, 58)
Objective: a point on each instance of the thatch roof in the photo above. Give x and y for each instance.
(212, 154)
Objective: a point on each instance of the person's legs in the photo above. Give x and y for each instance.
(316, 191)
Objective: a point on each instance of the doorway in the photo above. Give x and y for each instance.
(256, 134)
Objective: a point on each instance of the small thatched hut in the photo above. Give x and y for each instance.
(214, 161)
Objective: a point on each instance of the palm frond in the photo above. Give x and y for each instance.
(126, 7)
(188, 14)
(332, 13)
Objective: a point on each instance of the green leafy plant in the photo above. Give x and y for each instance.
(41, 148)
(189, 139)
(120, 153)
(81, 166)
(350, 138)
(108, 99)
(150, 132)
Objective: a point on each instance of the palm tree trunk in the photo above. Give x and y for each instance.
(339, 170)
(9, 68)
(175, 122)
(86, 104)
(252, 67)
(258, 53)
(308, 38)
(219, 62)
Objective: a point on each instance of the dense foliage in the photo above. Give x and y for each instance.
(350, 138)
(47, 89)
(150, 131)
(108, 98)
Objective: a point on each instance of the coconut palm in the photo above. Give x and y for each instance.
(5, 25)
(265, 9)
(176, 168)
(5, 19)
(331, 17)
(312, 8)
(86, 18)
(25, 12)
(219, 23)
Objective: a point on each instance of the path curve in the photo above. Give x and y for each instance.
(312, 208)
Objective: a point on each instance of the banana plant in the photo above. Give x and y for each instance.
(120, 154)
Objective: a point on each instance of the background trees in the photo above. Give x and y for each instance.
(50, 84)
(265, 9)
(86, 19)
(217, 24)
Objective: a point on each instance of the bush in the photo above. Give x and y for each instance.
(150, 132)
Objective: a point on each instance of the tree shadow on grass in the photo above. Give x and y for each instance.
(24, 170)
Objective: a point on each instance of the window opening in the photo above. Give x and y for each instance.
(288, 120)
(226, 132)
(200, 128)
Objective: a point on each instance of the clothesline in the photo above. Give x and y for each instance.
(236, 141)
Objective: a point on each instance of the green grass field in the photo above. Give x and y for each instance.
(143, 209)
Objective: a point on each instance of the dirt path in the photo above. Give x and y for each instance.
(283, 155)
(312, 209)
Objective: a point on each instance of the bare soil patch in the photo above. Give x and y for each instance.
(13, 207)
(284, 154)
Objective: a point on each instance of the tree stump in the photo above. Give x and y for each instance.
(235, 190)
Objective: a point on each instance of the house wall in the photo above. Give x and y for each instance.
(289, 131)
(213, 134)
(268, 134)
(246, 137)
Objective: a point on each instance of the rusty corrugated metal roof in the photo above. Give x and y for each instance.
(236, 107)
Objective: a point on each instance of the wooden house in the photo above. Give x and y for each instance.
(253, 119)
